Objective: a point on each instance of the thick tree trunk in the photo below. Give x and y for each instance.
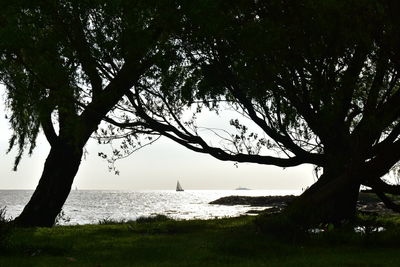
(332, 199)
(54, 186)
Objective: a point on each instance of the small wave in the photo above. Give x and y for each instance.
(85, 207)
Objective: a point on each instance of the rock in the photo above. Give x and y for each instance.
(367, 203)
(254, 201)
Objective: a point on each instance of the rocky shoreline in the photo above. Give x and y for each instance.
(367, 202)
(272, 204)
(265, 201)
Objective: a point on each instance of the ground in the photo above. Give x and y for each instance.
(219, 242)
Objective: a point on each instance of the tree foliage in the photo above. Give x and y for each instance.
(66, 64)
(319, 79)
(317, 69)
(61, 59)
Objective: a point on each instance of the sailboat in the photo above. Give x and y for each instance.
(178, 187)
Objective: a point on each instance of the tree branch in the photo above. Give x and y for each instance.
(372, 100)
(75, 32)
(383, 162)
(387, 201)
(125, 125)
(345, 92)
(388, 141)
(48, 128)
(378, 185)
(190, 141)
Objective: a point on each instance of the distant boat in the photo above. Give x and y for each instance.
(178, 187)
(242, 188)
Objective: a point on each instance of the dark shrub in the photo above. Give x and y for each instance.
(156, 218)
(281, 227)
(5, 229)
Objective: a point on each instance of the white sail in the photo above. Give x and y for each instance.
(178, 187)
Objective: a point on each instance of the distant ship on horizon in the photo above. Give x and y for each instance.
(242, 188)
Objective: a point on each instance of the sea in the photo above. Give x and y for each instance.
(93, 206)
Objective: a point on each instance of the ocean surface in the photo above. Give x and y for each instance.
(91, 206)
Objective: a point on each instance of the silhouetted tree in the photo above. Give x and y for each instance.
(65, 65)
(319, 78)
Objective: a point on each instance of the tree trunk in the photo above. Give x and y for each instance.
(54, 187)
(332, 199)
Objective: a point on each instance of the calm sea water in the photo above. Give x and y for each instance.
(91, 206)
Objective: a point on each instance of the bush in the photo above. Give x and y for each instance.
(150, 219)
(281, 227)
(110, 221)
(5, 229)
(139, 220)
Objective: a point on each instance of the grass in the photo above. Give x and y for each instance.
(220, 242)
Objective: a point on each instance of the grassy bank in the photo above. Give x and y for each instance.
(223, 242)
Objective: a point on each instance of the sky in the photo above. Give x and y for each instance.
(155, 167)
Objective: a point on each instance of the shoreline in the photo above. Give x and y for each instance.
(367, 203)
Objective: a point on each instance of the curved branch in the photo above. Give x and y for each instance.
(388, 202)
(198, 144)
(127, 125)
(380, 188)
(283, 139)
(48, 129)
(96, 110)
(232, 84)
(224, 156)
(378, 185)
(76, 34)
(351, 75)
(388, 141)
(383, 162)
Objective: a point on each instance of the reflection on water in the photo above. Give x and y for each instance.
(90, 206)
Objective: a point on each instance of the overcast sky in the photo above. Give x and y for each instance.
(155, 167)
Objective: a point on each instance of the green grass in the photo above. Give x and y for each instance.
(222, 242)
